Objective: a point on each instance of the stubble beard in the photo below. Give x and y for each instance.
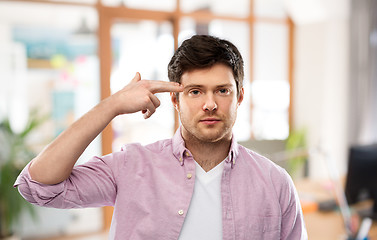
(205, 135)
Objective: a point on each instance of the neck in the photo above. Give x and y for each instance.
(208, 154)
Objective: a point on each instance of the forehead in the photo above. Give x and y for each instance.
(218, 74)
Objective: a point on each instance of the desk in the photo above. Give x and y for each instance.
(329, 226)
(324, 225)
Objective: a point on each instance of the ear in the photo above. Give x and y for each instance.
(174, 100)
(240, 97)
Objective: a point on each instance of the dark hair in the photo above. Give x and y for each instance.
(203, 51)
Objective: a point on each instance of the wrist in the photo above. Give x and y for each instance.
(108, 107)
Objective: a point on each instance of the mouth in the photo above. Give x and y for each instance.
(209, 121)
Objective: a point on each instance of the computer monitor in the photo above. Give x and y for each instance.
(361, 182)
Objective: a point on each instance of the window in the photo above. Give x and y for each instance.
(145, 47)
(235, 8)
(270, 90)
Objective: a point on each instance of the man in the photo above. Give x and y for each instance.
(198, 185)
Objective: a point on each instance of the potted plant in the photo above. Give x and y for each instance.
(15, 153)
(296, 146)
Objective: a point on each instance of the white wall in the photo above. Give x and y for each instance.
(321, 77)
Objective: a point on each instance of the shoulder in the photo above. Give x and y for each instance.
(158, 147)
(264, 169)
(137, 154)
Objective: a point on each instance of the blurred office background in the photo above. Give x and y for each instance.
(310, 73)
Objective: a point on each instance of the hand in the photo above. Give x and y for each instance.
(138, 95)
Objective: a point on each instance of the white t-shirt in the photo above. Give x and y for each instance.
(204, 216)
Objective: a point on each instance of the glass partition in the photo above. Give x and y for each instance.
(56, 46)
(145, 47)
(270, 9)
(76, 1)
(236, 8)
(270, 88)
(162, 5)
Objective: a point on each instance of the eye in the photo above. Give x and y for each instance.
(224, 91)
(194, 92)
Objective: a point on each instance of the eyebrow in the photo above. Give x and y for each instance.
(193, 86)
(201, 86)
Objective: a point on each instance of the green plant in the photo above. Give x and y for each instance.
(296, 145)
(15, 153)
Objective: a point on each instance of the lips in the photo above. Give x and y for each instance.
(210, 121)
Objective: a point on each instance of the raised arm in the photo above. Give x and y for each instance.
(54, 164)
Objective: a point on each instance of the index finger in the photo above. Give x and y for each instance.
(157, 86)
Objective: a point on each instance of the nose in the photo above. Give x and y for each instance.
(210, 104)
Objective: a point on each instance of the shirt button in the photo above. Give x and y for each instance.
(187, 154)
(180, 212)
(180, 159)
(189, 175)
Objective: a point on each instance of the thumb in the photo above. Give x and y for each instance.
(136, 78)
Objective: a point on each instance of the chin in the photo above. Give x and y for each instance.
(213, 136)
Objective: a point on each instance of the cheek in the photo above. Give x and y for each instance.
(188, 105)
(228, 106)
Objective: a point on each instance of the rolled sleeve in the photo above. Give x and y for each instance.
(92, 184)
(35, 192)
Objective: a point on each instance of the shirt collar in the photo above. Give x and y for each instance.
(181, 152)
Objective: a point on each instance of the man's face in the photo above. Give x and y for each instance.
(208, 105)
